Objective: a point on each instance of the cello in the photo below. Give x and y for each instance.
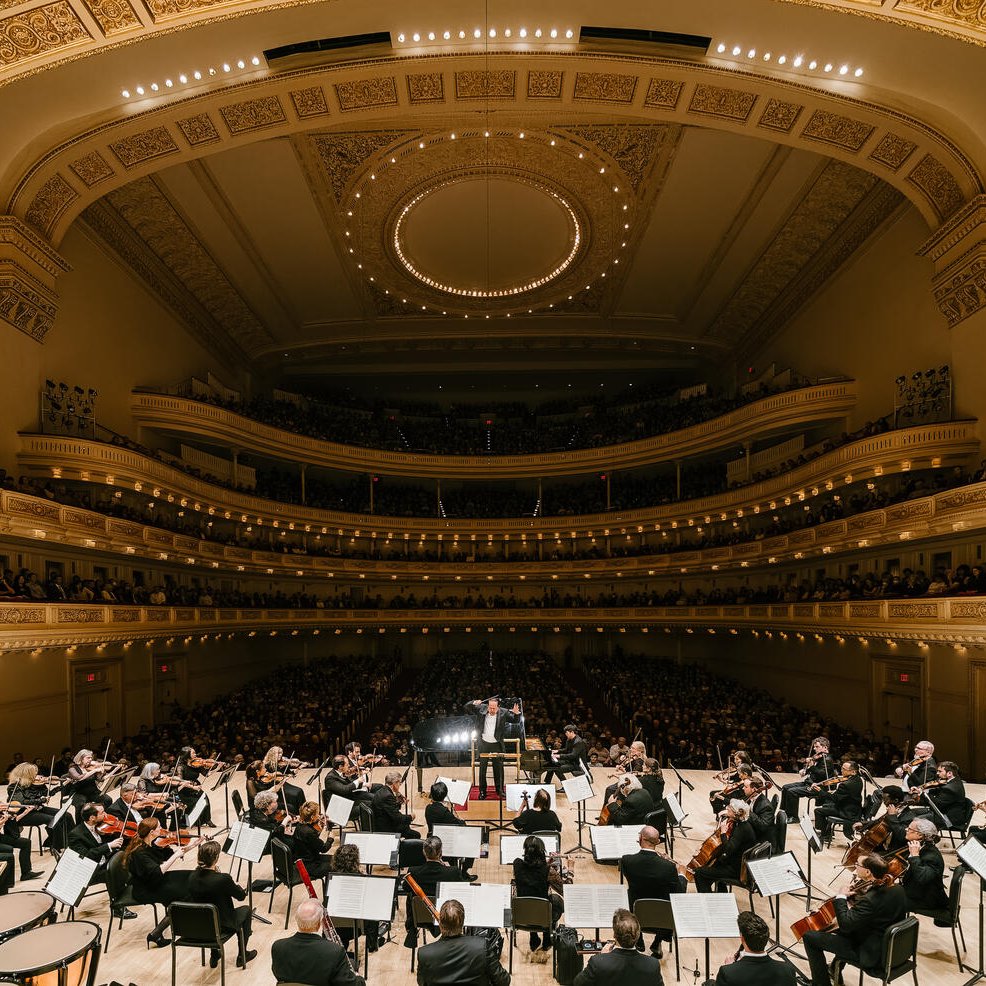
(707, 852)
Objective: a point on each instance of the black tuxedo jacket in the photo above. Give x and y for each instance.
(637, 805)
(211, 887)
(574, 752)
(924, 879)
(762, 817)
(83, 842)
(649, 876)
(313, 960)
(461, 961)
(439, 814)
(120, 809)
(756, 970)
(478, 709)
(865, 922)
(950, 799)
(335, 783)
(387, 815)
(621, 967)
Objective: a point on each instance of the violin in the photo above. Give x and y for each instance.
(829, 782)
(726, 791)
(111, 825)
(174, 838)
(209, 762)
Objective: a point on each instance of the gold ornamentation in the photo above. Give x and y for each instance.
(967, 611)
(33, 508)
(633, 147)
(605, 87)
(91, 169)
(893, 150)
(113, 16)
(309, 102)
(253, 114)
(962, 292)
(83, 519)
(364, 93)
(122, 527)
(757, 610)
(169, 10)
(830, 609)
(198, 129)
(917, 508)
(728, 104)
(145, 146)
(39, 32)
(341, 155)
(494, 84)
(867, 520)
(968, 13)
(544, 85)
(426, 87)
(938, 184)
(22, 614)
(79, 614)
(23, 307)
(779, 115)
(664, 93)
(863, 611)
(131, 615)
(963, 498)
(158, 615)
(54, 196)
(912, 611)
(841, 131)
(804, 609)
(184, 615)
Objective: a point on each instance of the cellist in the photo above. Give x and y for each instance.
(737, 836)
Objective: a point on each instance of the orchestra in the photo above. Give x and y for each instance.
(894, 856)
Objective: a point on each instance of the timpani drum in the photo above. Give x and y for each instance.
(65, 954)
(23, 910)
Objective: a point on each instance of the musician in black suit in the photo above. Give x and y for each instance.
(949, 794)
(457, 959)
(923, 880)
(433, 871)
(736, 830)
(123, 807)
(844, 800)
(491, 725)
(897, 815)
(353, 788)
(631, 804)
(921, 769)
(571, 757)
(817, 768)
(620, 964)
(207, 886)
(761, 810)
(437, 813)
(752, 966)
(86, 840)
(650, 875)
(387, 814)
(859, 938)
(307, 957)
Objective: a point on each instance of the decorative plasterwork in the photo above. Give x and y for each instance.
(309, 102)
(113, 16)
(486, 84)
(426, 87)
(198, 130)
(631, 147)
(253, 114)
(721, 101)
(605, 87)
(342, 155)
(28, 270)
(45, 30)
(544, 85)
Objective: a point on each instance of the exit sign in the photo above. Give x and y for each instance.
(904, 676)
(91, 676)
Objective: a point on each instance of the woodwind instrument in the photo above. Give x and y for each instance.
(416, 887)
(328, 928)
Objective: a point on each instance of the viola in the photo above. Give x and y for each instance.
(821, 919)
(178, 837)
(871, 840)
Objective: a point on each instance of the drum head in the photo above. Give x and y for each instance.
(23, 910)
(50, 947)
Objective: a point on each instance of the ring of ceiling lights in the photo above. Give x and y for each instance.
(574, 237)
(599, 201)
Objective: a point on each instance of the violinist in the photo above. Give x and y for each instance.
(27, 787)
(347, 781)
(651, 875)
(817, 768)
(631, 763)
(428, 875)
(897, 815)
(275, 770)
(387, 804)
(364, 761)
(732, 779)
(924, 879)
(154, 882)
(193, 769)
(125, 808)
(921, 769)
(540, 818)
(948, 793)
(631, 804)
(307, 843)
(874, 905)
(308, 957)
(160, 789)
(85, 840)
(652, 780)
(737, 836)
(83, 780)
(844, 799)
(264, 815)
(761, 810)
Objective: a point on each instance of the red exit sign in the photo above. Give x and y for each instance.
(91, 676)
(163, 668)
(904, 676)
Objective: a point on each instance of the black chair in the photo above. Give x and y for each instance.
(900, 953)
(779, 840)
(364, 817)
(237, 799)
(962, 827)
(745, 879)
(949, 916)
(423, 919)
(529, 914)
(119, 890)
(285, 874)
(197, 926)
(410, 852)
(656, 915)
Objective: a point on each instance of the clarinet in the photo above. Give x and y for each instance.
(328, 928)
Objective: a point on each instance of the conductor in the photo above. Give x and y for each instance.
(491, 725)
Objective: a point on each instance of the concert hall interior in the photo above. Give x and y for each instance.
(365, 360)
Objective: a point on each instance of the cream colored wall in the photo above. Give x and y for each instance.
(110, 334)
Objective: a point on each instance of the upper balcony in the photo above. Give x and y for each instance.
(759, 420)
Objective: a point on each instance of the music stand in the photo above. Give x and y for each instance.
(361, 899)
(774, 877)
(70, 879)
(248, 842)
(705, 916)
(682, 782)
(222, 780)
(973, 855)
(321, 767)
(814, 846)
(579, 790)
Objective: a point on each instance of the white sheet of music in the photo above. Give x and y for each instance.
(808, 830)
(777, 875)
(463, 841)
(592, 905)
(973, 854)
(577, 788)
(375, 848)
(458, 791)
(367, 897)
(515, 793)
(614, 841)
(677, 813)
(484, 905)
(71, 877)
(196, 812)
(247, 842)
(339, 810)
(512, 846)
(705, 915)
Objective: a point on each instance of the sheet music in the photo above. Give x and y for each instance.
(70, 878)
(705, 915)
(593, 905)
(196, 812)
(247, 842)
(375, 848)
(808, 830)
(514, 792)
(458, 791)
(675, 808)
(460, 841)
(484, 905)
(777, 875)
(614, 841)
(367, 897)
(577, 788)
(512, 846)
(340, 810)
(973, 854)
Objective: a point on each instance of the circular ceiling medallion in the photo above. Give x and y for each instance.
(487, 235)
